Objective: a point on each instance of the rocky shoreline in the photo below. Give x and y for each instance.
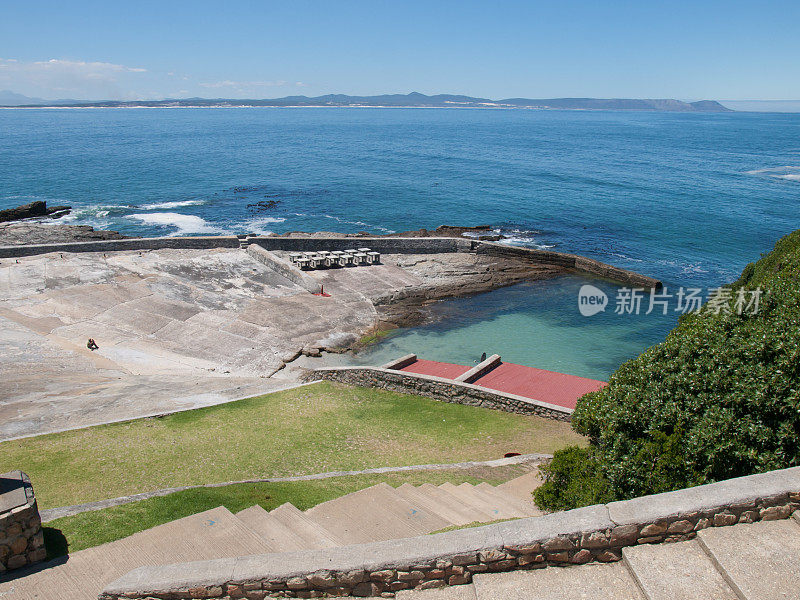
(33, 224)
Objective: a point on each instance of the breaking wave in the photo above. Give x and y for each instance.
(787, 173)
(176, 204)
(182, 223)
(259, 225)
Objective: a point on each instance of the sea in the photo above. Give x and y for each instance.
(689, 198)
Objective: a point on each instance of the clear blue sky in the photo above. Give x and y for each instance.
(263, 49)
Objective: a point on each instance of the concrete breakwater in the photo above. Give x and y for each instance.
(386, 245)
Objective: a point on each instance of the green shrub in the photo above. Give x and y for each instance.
(719, 398)
(571, 479)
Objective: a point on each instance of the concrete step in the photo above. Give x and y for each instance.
(433, 504)
(445, 498)
(215, 533)
(496, 508)
(522, 487)
(312, 533)
(593, 581)
(526, 507)
(679, 571)
(760, 561)
(453, 592)
(413, 512)
(277, 535)
(466, 495)
(373, 514)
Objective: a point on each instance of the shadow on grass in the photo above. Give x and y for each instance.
(55, 542)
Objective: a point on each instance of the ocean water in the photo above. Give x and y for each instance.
(687, 198)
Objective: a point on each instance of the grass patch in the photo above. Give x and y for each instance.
(312, 429)
(471, 525)
(98, 527)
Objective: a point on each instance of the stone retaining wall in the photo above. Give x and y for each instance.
(21, 539)
(595, 533)
(439, 388)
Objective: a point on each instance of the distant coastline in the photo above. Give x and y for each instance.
(412, 100)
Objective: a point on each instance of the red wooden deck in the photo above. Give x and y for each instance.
(528, 382)
(547, 386)
(438, 369)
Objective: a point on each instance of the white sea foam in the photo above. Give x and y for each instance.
(258, 225)
(361, 223)
(176, 204)
(787, 172)
(183, 223)
(522, 237)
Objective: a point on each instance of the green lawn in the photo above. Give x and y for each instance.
(323, 427)
(93, 528)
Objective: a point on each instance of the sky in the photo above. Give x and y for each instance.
(90, 50)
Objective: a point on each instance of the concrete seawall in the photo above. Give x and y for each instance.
(385, 245)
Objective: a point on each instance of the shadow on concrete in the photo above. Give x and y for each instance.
(56, 545)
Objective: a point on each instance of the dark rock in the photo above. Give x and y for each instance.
(34, 209)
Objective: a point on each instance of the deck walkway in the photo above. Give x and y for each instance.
(529, 382)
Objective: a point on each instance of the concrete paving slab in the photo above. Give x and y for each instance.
(679, 571)
(453, 592)
(593, 581)
(760, 561)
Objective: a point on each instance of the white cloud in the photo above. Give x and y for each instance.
(82, 78)
(59, 78)
(242, 84)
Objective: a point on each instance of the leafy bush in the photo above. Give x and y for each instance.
(571, 479)
(719, 398)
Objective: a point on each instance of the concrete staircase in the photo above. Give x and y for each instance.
(758, 561)
(377, 513)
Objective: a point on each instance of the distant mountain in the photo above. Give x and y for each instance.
(414, 99)
(618, 104)
(9, 98)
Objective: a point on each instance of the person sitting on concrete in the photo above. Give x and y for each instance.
(92, 345)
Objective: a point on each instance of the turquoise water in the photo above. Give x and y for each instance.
(535, 324)
(687, 198)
